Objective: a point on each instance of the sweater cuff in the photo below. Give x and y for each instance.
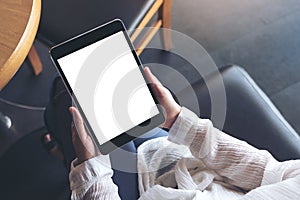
(183, 125)
(89, 171)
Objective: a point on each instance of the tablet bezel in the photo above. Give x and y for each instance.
(87, 39)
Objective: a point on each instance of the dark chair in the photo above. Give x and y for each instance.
(250, 114)
(62, 20)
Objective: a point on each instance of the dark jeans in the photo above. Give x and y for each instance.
(123, 160)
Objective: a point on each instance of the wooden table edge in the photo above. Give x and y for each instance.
(11, 66)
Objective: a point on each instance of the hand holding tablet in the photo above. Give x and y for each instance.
(83, 143)
(170, 106)
(107, 83)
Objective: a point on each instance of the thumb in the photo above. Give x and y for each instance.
(78, 122)
(151, 77)
(155, 83)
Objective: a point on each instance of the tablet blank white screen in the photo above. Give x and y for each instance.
(109, 86)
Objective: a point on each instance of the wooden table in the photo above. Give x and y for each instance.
(19, 20)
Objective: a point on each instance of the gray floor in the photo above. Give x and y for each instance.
(262, 36)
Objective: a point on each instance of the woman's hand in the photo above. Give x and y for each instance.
(83, 144)
(170, 107)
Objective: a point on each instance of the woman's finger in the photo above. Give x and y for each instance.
(151, 77)
(78, 122)
(157, 86)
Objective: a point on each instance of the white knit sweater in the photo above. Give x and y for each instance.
(198, 162)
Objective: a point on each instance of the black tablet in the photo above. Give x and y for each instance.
(106, 80)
